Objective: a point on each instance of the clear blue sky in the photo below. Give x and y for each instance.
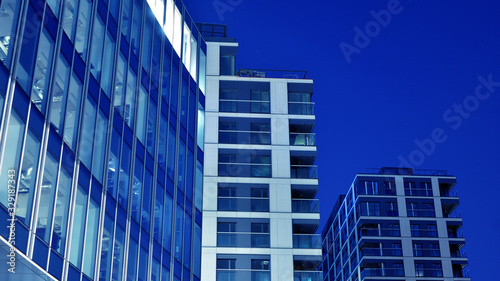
(408, 82)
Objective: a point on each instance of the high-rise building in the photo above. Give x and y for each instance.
(101, 145)
(260, 215)
(396, 224)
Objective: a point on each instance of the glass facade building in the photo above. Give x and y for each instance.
(396, 224)
(101, 140)
(260, 214)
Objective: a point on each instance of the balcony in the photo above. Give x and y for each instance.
(303, 139)
(382, 272)
(381, 252)
(300, 108)
(307, 275)
(381, 232)
(272, 73)
(307, 241)
(428, 272)
(421, 213)
(243, 204)
(243, 239)
(304, 171)
(305, 206)
(418, 192)
(243, 274)
(244, 170)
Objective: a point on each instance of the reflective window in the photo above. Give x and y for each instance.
(158, 213)
(125, 163)
(143, 268)
(132, 261)
(169, 20)
(89, 259)
(146, 199)
(96, 51)
(59, 93)
(11, 152)
(155, 267)
(181, 166)
(200, 135)
(47, 194)
(165, 75)
(68, 21)
(244, 163)
(82, 28)
(244, 130)
(171, 153)
(249, 97)
(142, 106)
(118, 254)
(107, 64)
(72, 111)
(137, 190)
(114, 7)
(136, 27)
(186, 47)
(184, 102)
(113, 160)
(87, 136)
(41, 77)
(54, 6)
(119, 90)
(198, 195)
(194, 48)
(197, 250)
(175, 88)
(151, 130)
(78, 227)
(126, 18)
(27, 179)
(101, 132)
(167, 224)
(106, 248)
(147, 38)
(10, 14)
(24, 71)
(187, 241)
(62, 211)
(130, 98)
(162, 141)
(178, 233)
(177, 31)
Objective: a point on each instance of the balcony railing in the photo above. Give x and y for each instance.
(301, 108)
(243, 239)
(382, 272)
(379, 232)
(459, 253)
(244, 170)
(304, 171)
(424, 233)
(244, 137)
(421, 213)
(449, 193)
(418, 192)
(428, 272)
(305, 206)
(244, 106)
(272, 73)
(307, 241)
(243, 274)
(379, 252)
(307, 275)
(243, 204)
(308, 139)
(455, 234)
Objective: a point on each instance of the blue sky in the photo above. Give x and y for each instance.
(427, 74)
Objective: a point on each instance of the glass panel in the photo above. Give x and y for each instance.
(96, 51)
(106, 248)
(165, 76)
(46, 200)
(130, 98)
(62, 211)
(54, 6)
(87, 136)
(41, 76)
(162, 142)
(184, 102)
(11, 153)
(107, 64)
(89, 260)
(178, 233)
(155, 269)
(181, 167)
(72, 111)
(147, 33)
(132, 261)
(194, 49)
(118, 255)
(177, 31)
(27, 178)
(151, 130)
(203, 65)
(198, 196)
(24, 72)
(10, 13)
(143, 268)
(186, 47)
(121, 70)
(78, 226)
(167, 225)
(171, 153)
(68, 21)
(174, 93)
(169, 20)
(146, 200)
(187, 242)
(101, 133)
(200, 136)
(197, 250)
(136, 27)
(142, 106)
(158, 213)
(113, 160)
(59, 93)
(82, 28)
(136, 190)
(124, 175)
(126, 16)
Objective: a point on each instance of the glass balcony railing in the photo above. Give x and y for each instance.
(304, 171)
(244, 137)
(243, 274)
(458, 253)
(243, 239)
(244, 170)
(301, 108)
(418, 192)
(307, 241)
(305, 206)
(244, 106)
(307, 276)
(382, 272)
(421, 213)
(428, 272)
(379, 232)
(243, 204)
(379, 252)
(308, 139)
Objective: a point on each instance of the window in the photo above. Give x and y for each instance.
(78, 227)
(72, 111)
(417, 250)
(59, 93)
(10, 13)
(394, 230)
(27, 179)
(392, 209)
(260, 235)
(244, 130)
(410, 188)
(389, 187)
(300, 103)
(396, 249)
(226, 270)
(369, 209)
(248, 97)
(369, 188)
(61, 213)
(226, 236)
(415, 230)
(226, 200)
(260, 270)
(244, 163)
(48, 188)
(434, 250)
(419, 270)
(437, 270)
(432, 230)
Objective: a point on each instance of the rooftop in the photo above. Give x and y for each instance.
(405, 171)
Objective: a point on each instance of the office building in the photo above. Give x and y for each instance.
(260, 214)
(396, 224)
(101, 145)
